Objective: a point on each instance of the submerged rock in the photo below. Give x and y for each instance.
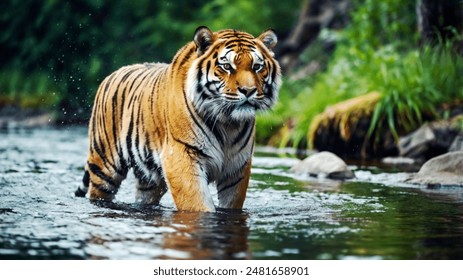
(444, 170)
(323, 164)
(398, 161)
(403, 164)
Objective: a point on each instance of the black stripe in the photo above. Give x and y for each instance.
(86, 179)
(197, 151)
(240, 36)
(149, 162)
(241, 42)
(248, 137)
(115, 103)
(109, 81)
(115, 109)
(101, 151)
(209, 122)
(139, 126)
(96, 170)
(139, 174)
(225, 55)
(129, 141)
(97, 149)
(107, 141)
(187, 56)
(230, 185)
(193, 116)
(122, 160)
(199, 76)
(211, 125)
(103, 189)
(242, 133)
(137, 78)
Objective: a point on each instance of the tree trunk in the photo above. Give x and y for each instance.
(314, 16)
(439, 20)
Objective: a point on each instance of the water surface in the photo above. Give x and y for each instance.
(284, 216)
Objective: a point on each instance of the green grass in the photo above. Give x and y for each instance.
(34, 90)
(415, 85)
(412, 85)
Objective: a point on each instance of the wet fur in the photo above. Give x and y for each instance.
(186, 126)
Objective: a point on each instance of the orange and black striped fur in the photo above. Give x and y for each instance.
(186, 126)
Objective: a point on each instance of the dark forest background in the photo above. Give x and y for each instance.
(55, 53)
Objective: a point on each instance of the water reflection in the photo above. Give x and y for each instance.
(221, 235)
(167, 234)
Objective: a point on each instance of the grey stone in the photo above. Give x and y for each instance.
(457, 144)
(446, 169)
(430, 140)
(416, 143)
(323, 164)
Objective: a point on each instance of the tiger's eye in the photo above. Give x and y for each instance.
(227, 66)
(257, 67)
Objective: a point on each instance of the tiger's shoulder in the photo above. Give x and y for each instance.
(146, 66)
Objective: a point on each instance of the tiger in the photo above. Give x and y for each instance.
(188, 126)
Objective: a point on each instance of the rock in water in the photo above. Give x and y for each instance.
(416, 143)
(444, 170)
(457, 144)
(430, 140)
(323, 164)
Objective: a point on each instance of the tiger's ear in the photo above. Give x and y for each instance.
(203, 39)
(269, 38)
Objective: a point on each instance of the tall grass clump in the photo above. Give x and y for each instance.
(414, 86)
(377, 52)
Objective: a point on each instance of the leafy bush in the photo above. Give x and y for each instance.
(376, 52)
(68, 47)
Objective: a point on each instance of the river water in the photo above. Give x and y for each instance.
(284, 216)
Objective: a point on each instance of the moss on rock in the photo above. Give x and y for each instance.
(343, 129)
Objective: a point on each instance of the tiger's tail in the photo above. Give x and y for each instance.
(83, 189)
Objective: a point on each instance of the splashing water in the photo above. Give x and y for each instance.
(285, 216)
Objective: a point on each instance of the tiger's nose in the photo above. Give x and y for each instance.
(247, 91)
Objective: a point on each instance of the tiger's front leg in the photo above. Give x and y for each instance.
(186, 179)
(232, 192)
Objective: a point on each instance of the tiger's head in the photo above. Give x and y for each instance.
(234, 74)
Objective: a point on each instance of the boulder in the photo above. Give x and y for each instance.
(323, 164)
(430, 140)
(443, 170)
(415, 144)
(457, 144)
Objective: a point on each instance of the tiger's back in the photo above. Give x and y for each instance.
(172, 125)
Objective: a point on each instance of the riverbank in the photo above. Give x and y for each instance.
(14, 117)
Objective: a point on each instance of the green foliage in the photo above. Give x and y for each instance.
(252, 16)
(66, 48)
(414, 85)
(377, 52)
(31, 91)
(379, 23)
